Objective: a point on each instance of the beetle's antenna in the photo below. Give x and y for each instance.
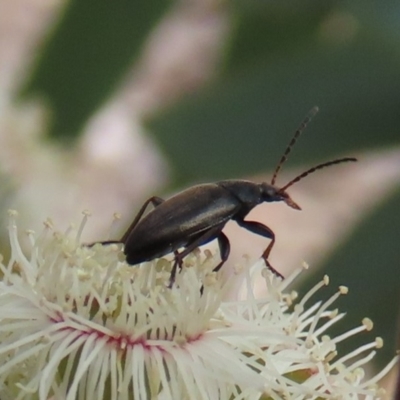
(316, 168)
(296, 135)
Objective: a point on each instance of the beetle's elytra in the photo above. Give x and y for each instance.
(198, 214)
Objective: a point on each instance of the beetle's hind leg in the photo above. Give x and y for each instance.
(156, 201)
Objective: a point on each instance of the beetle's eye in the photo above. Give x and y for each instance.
(271, 192)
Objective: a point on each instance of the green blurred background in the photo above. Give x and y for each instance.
(267, 64)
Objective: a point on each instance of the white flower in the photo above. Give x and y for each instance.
(76, 322)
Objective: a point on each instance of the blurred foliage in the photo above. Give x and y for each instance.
(368, 263)
(282, 58)
(87, 55)
(250, 111)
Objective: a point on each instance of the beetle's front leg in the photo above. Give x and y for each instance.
(262, 230)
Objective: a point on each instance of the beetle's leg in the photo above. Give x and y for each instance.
(204, 238)
(177, 262)
(224, 250)
(156, 201)
(262, 230)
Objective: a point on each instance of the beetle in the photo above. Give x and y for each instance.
(197, 215)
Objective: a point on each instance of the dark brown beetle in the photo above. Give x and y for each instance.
(198, 214)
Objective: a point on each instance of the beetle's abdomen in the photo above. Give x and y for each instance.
(178, 221)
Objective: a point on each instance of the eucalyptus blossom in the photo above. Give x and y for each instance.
(78, 322)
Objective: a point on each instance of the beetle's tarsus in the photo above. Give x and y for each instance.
(265, 256)
(272, 269)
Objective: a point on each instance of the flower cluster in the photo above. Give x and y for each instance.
(77, 322)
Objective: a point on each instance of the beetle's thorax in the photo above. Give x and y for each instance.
(248, 193)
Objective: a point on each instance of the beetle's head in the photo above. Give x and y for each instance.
(270, 193)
